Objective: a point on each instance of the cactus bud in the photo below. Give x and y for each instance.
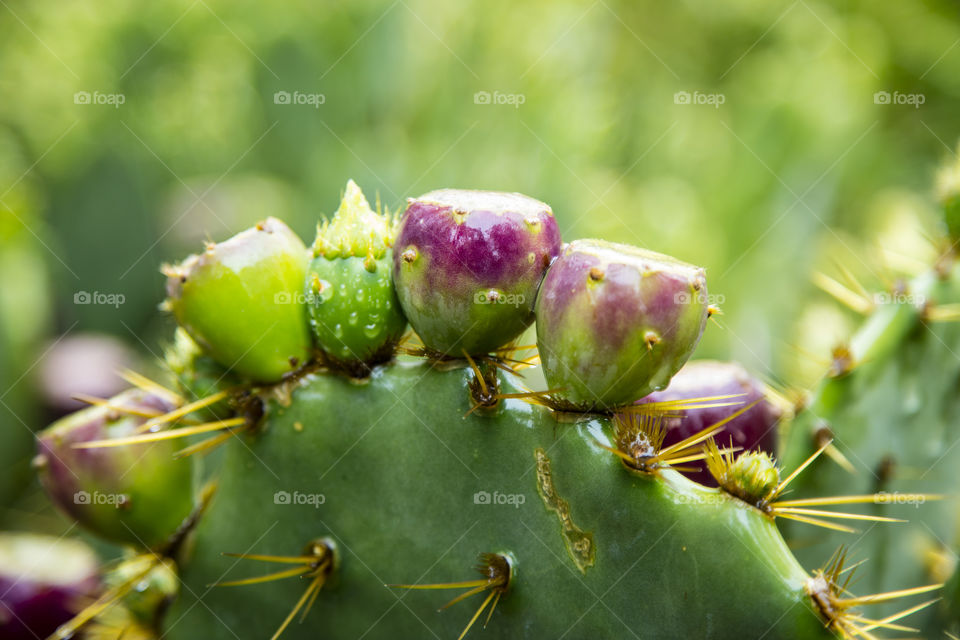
(241, 301)
(44, 582)
(153, 585)
(137, 494)
(468, 265)
(754, 430)
(615, 322)
(355, 315)
(752, 476)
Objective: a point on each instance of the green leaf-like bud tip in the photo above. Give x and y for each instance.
(355, 230)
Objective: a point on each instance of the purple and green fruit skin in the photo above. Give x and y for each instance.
(467, 265)
(754, 430)
(242, 301)
(615, 322)
(134, 494)
(355, 315)
(44, 582)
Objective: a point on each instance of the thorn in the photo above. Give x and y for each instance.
(855, 301)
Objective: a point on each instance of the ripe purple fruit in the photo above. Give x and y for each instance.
(44, 582)
(615, 322)
(467, 265)
(754, 430)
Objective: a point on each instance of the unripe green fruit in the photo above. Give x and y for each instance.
(355, 315)
(242, 301)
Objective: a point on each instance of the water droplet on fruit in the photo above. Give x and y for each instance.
(353, 319)
(371, 330)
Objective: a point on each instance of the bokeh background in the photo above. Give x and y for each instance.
(761, 140)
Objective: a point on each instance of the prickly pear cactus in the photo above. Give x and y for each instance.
(408, 490)
(889, 406)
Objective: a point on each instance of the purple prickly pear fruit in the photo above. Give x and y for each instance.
(615, 322)
(242, 301)
(44, 582)
(135, 494)
(467, 265)
(753, 430)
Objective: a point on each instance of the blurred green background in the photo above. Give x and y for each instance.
(130, 132)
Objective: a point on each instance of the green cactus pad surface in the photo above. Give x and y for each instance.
(410, 492)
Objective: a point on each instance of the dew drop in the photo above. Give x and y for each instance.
(353, 319)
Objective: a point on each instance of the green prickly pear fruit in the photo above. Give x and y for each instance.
(355, 315)
(615, 322)
(242, 301)
(468, 265)
(135, 494)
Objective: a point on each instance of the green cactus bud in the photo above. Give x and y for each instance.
(751, 476)
(615, 322)
(241, 301)
(355, 315)
(138, 494)
(153, 585)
